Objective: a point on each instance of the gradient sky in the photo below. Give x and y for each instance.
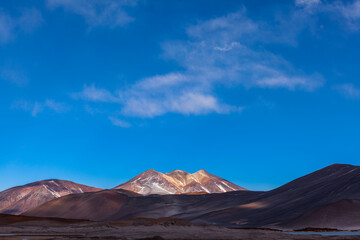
(97, 91)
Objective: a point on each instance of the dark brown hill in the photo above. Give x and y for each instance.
(274, 208)
(344, 214)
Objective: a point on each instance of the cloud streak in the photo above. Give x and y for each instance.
(11, 26)
(119, 123)
(14, 76)
(345, 12)
(35, 108)
(348, 90)
(93, 94)
(97, 12)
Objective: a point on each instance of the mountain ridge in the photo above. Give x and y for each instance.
(177, 182)
(308, 201)
(22, 198)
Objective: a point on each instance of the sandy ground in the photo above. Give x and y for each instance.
(155, 232)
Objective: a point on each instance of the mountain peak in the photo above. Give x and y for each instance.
(202, 172)
(178, 182)
(151, 171)
(22, 198)
(178, 171)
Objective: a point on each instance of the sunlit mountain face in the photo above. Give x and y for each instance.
(178, 182)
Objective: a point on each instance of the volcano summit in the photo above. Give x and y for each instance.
(178, 182)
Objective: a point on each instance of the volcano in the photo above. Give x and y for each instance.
(178, 182)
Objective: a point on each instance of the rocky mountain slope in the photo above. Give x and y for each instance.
(23, 198)
(178, 182)
(327, 198)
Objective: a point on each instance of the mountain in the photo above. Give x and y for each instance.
(178, 182)
(19, 199)
(278, 207)
(327, 198)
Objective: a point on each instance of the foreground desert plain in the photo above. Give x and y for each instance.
(19, 227)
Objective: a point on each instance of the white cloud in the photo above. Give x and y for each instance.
(348, 90)
(291, 83)
(187, 103)
(159, 95)
(219, 51)
(34, 108)
(98, 12)
(93, 94)
(307, 3)
(119, 123)
(350, 11)
(56, 106)
(11, 26)
(347, 13)
(227, 47)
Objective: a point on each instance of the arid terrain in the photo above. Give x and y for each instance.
(325, 200)
(19, 227)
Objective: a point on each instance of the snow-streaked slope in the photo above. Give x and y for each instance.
(19, 199)
(178, 182)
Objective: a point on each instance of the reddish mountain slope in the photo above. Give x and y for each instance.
(178, 182)
(97, 206)
(19, 199)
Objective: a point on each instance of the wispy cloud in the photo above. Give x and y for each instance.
(348, 90)
(350, 11)
(96, 13)
(222, 50)
(157, 96)
(56, 106)
(119, 123)
(11, 26)
(218, 51)
(14, 76)
(307, 3)
(170, 93)
(186, 103)
(34, 108)
(93, 94)
(347, 13)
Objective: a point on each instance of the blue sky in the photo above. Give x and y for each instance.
(98, 91)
